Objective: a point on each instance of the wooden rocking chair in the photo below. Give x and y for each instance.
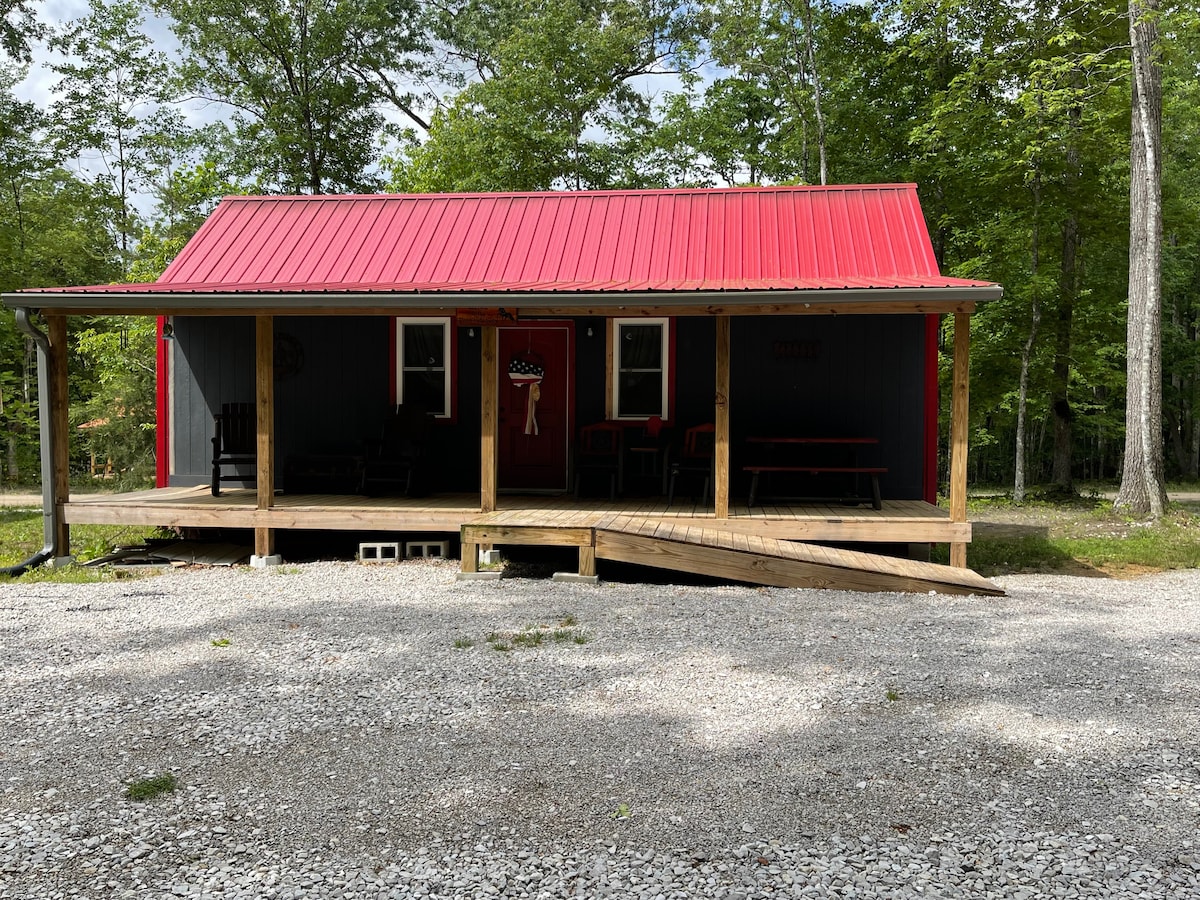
(235, 443)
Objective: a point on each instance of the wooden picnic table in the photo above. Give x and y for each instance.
(793, 465)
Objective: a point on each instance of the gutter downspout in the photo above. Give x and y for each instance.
(49, 498)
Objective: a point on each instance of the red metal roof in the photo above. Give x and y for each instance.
(736, 239)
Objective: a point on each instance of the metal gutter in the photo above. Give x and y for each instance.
(49, 498)
(147, 302)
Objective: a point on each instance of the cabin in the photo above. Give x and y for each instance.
(742, 381)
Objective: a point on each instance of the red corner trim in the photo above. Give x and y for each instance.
(932, 334)
(162, 410)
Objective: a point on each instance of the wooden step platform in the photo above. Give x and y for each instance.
(724, 554)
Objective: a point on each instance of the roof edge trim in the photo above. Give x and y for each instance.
(163, 300)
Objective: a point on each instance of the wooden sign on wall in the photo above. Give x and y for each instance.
(479, 317)
(797, 349)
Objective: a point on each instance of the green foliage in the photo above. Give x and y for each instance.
(21, 536)
(556, 85)
(220, 642)
(148, 788)
(18, 27)
(113, 102)
(303, 82)
(185, 199)
(117, 421)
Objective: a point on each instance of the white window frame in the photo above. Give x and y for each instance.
(615, 333)
(447, 366)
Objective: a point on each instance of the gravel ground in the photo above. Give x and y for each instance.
(333, 736)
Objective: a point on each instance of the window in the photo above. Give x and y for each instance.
(640, 368)
(423, 364)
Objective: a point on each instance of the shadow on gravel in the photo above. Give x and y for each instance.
(379, 721)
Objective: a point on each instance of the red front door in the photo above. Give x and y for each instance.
(534, 450)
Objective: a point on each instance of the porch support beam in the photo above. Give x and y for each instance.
(60, 443)
(958, 431)
(488, 417)
(721, 421)
(264, 380)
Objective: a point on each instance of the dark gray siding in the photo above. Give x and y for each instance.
(834, 376)
(212, 363)
(846, 376)
(331, 392)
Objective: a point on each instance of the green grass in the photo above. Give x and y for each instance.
(536, 635)
(148, 788)
(80, 575)
(1083, 536)
(221, 642)
(21, 536)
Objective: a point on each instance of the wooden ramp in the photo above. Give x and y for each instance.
(760, 560)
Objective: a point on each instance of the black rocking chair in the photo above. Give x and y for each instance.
(235, 443)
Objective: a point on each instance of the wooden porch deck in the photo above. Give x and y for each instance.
(899, 521)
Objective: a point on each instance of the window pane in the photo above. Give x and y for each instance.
(640, 394)
(424, 346)
(426, 390)
(641, 347)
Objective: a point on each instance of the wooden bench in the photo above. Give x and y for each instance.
(873, 471)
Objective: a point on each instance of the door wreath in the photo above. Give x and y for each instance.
(527, 369)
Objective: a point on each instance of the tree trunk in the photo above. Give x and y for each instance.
(1027, 350)
(1022, 402)
(1060, 401)
(14, 467)
(816, 90)
(1143, 491)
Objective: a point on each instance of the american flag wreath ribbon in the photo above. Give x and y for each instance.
(526, 372)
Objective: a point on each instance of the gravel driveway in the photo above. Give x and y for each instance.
(334, 735)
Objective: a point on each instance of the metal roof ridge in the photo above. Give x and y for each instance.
(605, 192)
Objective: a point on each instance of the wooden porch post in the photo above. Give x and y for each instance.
(721, 446)
(958, 431)
(56, 328)
(488, 418)
(264, 378)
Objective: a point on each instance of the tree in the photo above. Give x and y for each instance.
(552, 101)
(18, 26)
(1143, 489)
(304, 80)
(112, 101)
